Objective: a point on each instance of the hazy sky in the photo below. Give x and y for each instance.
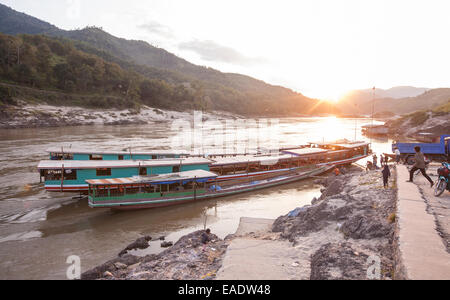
(321, 48)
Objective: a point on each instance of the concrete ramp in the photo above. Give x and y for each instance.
(421, 249)
(250, 258)
(255, 225)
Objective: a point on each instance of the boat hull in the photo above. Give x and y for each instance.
(154, 203)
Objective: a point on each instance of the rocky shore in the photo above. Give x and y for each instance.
(357, 215)
(187, 259)
(420, 125)
(24, 115)
(339, 236)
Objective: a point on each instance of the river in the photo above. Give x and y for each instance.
(40, 230)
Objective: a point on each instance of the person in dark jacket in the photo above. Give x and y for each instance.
(419, 165)
(386, 174)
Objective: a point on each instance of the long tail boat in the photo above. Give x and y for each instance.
(176, 188)
(71, 175)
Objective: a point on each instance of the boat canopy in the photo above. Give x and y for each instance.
(305, 151)
(182, 177)
(96, 164)
(352, 145)
(109, 152)
(342, 143)
(236, 160)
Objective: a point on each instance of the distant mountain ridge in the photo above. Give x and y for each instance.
(398, 100)
(222, 91)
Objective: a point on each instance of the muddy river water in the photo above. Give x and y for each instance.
(40, 230)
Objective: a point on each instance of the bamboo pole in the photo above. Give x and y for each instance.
(62, 177)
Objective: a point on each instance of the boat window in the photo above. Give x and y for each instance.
(104, 172)
(154, 157)
(175, 187)
(70, 174)
(95, 157)
(52, 175)
(120, 157)
(176, 169)
(101, 191)
(60, 156)
(217, 170)
(143, 171)
(188, 186)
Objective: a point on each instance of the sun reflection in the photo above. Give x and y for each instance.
(331, 129)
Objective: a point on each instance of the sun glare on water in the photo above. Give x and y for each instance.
(331, 129)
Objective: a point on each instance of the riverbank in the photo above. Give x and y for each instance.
(332, 238)
(26, 115)
(421, 124)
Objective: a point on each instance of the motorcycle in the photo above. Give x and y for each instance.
(444, 179)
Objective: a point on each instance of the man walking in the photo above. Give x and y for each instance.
(419, 165)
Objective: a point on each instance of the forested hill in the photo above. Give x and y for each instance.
(143, 73)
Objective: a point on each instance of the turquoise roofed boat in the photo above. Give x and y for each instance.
(71, 175)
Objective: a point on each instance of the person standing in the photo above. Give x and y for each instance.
(375, 160)
(397, 155)
(337, 172)
(386, 174)
(419, 165)
(381, 160)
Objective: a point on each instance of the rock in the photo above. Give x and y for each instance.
(230, 237)
(120, 265)
(108, 274)
(192, 266)
(109, 266)
(366, 227)
(140, 243)
(166, 244)
(337, 261)
(312, 219)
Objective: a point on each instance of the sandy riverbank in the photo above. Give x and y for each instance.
(333, 238)
(33, 116)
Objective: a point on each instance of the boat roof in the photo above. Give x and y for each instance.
(96, 164)
(113, 152)
(197, 175)
(305, 151)
(342, 143)
(372, 125)
(352, 145)
(235, 160)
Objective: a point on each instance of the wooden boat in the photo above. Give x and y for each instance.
(375, 130)
(76, 172)
(226, 167)
(183, 187)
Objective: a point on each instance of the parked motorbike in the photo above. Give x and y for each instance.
(444, 179)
